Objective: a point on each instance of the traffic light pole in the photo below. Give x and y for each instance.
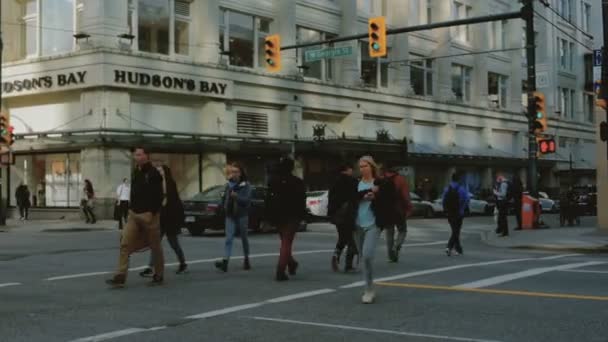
(604, 84)
(2, 205)
(528, 16)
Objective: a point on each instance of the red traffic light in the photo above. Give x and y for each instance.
(546, 146)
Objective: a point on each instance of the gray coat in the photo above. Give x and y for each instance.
(239, 206)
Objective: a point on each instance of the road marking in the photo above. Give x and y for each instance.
(80, 275)
(585, 271)
(524, 274)
(111, 335)
(9, 284)
(370, 330)
(424, 244)
(436, 270)
(554, 257)
(224, 311)
(190, 262)
(494, 291)
(300, 295)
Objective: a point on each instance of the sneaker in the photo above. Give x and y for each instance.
(391, 256)
(156, 281)
(146, 273)
(368, 297)
(335, 263)
(448, 252)
(246, 264)
(293, 267)
(281, 276)
(222, 265)
(116, 282)
(183, 268)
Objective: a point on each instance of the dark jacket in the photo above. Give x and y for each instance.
(463, 197)
(285, 200)
(22, 195)
(343, 191)
(517, 190)
(172, 215)
(243, 200)
(146, 190)
(386, 204)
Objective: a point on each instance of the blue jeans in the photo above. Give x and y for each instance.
(232, 224)
(366, 240)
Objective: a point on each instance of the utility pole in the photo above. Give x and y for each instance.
(2, 204)
(528, 16)
(604, 84)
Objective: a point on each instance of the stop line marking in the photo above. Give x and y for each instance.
(9, 284)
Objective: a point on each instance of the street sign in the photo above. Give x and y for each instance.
(316, 55)
(597, 57)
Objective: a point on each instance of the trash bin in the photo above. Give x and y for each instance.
(530, 212)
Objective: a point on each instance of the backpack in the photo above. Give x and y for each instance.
(452, 202)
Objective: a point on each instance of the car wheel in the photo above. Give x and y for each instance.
(429, 213)
(196, 231)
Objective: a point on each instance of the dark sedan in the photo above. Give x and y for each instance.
(203, 211)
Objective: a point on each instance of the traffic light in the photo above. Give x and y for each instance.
(273, 52)
(540, 119)
(4, 132)
(377, 37)
(546, 146)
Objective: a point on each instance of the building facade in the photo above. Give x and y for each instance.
(86, 80)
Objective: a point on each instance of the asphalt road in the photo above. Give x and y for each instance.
(52, 289)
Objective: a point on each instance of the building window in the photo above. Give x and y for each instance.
(461, 11)
(564, 7)
(161, 26)
(321, 69)
(498, 35)
(429, 11)
(590, 108)
(461, 82)
(563, 53)
(564, 102)
(54, 180)
(30, 21)
(421, 75)
(364, 6)
(586, 16)
(497, 90)
(374, 71)
(243, 36)
(571, 52)
(573, 104)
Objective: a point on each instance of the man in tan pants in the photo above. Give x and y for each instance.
(143, 225)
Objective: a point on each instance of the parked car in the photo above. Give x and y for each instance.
(421, 208)
(316, 203)
(476, 206)
(547, 204)
(203, 211)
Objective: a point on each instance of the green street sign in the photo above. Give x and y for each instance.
(315, 55)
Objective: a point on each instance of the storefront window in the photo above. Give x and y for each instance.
(54, 180)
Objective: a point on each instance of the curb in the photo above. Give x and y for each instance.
(571, 249)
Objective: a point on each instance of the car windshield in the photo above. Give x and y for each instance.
(211, 194)
(315, 193)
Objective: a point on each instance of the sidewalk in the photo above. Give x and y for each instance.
(576, 240)
(56, 226)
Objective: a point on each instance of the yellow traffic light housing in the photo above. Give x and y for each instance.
(4, 131)
(377, 37)
(272, 46)
(540, 118)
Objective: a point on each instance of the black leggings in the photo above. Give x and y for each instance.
(345, 238)
(174, 243)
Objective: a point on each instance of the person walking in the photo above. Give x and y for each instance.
(341, 209)
(171, 221)
(455, 199)
(123, 193)
(502, 203)
(22, 196)
(403, 208)
(367, 231)
(285, 209)
(143, 223)
(236, 202)
(87, 201)
(517, 189)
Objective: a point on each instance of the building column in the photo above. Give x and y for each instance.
(349, 73)
(105, 168)
(286, 27)
(206, 25)
(480, 38)
(443, 11)
(214, 165)
(216, 119)
(106, 109)
(104, 21)
(399, 73)
(514, 34)
(487, 178)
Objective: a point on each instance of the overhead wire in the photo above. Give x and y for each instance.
(548, 5)
(563, 31)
